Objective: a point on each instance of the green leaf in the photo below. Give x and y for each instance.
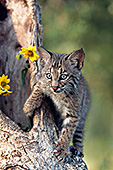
(18, 56)
(24, 71)
(28, 127)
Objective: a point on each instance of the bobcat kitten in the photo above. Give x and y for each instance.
(62, 81)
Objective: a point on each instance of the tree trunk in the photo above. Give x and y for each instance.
(20, 25)
(18, 28)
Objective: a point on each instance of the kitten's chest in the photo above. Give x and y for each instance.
(58, 101)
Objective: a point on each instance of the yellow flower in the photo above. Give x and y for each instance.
(17, 57)
(30, 53)
(4, 82)
(7, 93)
(4, 92)
(4, 85)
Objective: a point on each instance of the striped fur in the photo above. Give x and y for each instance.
(62, 81)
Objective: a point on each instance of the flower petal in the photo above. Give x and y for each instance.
(3, 90)
(6, 76)
(17, 57)
(33, 58)
(30, 48)
(7, 86)
(35, 54)
(34, 48)
(5, 94)
(7, 80)
(23, 52)
(26, 56)
(3, 75)
(24, 49)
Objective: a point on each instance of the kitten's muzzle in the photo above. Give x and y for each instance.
(54, 87)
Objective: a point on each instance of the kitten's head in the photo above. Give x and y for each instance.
(61, 71)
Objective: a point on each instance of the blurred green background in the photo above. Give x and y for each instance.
(72, 24)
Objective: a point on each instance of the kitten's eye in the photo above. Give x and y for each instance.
(48, 75)
(63, 76)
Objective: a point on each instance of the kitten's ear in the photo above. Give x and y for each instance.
(77, 58)
(44, 54)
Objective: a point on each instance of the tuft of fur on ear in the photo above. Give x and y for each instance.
(77, 58)
(45, 55)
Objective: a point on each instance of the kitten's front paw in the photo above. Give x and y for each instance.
(61, 151)
(27, 111)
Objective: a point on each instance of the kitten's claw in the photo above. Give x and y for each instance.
(61, 151)
(60, 159)
(76, 152)
(55, 151)
(56, 142)
(81, 155)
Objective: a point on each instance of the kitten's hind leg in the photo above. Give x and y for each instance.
(62, 145)
(78, 138)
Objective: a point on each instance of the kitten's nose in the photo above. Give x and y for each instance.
(54, 87)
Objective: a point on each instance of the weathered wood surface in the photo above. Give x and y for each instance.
(19, 26)
(18, 149)
(34, 149)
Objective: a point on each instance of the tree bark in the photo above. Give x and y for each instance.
(20, 25)
(17, 28)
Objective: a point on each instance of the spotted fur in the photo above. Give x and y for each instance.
(62, 81)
